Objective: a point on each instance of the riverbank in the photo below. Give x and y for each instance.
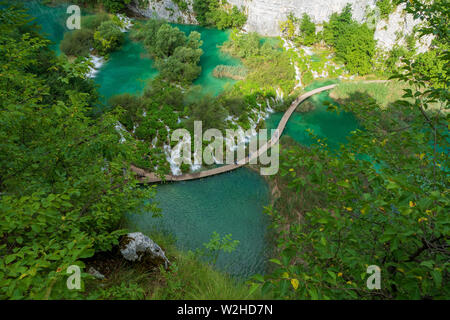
(188, 278)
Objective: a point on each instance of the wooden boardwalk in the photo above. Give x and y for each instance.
(149, 177)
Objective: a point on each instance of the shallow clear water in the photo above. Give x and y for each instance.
(228, 203)
(334, 126)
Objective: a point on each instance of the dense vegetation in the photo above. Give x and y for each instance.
(353, 42)
(382, 199)
(100, 32)
(65, 184)
(269, 67)
(219, 14)
(177, 55)
(112, 6)
(386, 7)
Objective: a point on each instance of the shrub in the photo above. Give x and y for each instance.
(115, 6)
(307, 30)
(108, 37)
(212, 13)
(77, 42)
(177, 56)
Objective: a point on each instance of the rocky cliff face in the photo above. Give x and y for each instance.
(265, 16)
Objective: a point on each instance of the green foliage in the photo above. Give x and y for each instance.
(218, 13)
(93, 21)
(148, 118)
(64, 178)
(217, 244)
(115, 6)
(244, 45)
(289, 27)
(353, 42)
(431, 67)
(232, 72)
(97, 31)
(307, 78)
(108, 37)
(177, 56)
(301, 30)
(337, 25)
(77, 42)
(386, 7)
(208, 110)
(356, 48)
(167, 40)
(268, 65)
(182, 5)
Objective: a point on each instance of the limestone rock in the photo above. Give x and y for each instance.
(265, 16)
(137, 246)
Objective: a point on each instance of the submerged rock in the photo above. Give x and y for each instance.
(137, 247)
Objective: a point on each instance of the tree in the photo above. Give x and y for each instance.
(77, 42)
(65, 181)
(356, 47)
(177, 56)
(335, 27)
(167, 40)
(307, 30)
(108, 37)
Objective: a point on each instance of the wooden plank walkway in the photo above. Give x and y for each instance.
(149, 177)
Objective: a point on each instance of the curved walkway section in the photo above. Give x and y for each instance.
(149, 177)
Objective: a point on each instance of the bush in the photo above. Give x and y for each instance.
(386, 7)
(93, 21)
(63, 186)
(307, 30)
(77, 42)
(431, 67)
(353, 42)
(177, 56)
(108, 37)
(211, 13)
